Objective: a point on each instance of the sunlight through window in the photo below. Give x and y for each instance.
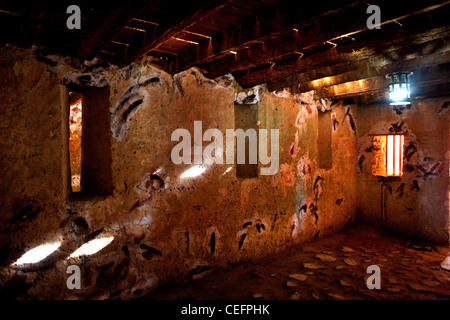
(38, 254)
(92, 247)
(388, 155)
(193, 172)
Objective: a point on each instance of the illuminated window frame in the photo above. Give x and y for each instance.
(388, 155)
(394, 154)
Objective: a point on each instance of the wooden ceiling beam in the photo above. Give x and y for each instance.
(425, 83)
(165, 33)
(367, 69)
(334, 86)
(266, 26)
(104, 31)
(302, 41)
(408, 56)
(319, 28)
(284, 74)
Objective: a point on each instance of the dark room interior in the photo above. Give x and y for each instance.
(225, 150)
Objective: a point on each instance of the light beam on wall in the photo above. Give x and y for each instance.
(228, 170)
(193, 172)
(92, 247)
(38, 254)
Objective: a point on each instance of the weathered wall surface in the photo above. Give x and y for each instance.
(417, 202)
(165, 228)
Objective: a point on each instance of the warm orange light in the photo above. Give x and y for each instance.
(387, 157)
(395, 155)
(390, 155)
(75, 133)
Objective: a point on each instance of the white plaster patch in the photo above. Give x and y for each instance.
(305, 97)
(284, 93)
(250, 96)
(304, 167)
(225, 81)
(294, 226)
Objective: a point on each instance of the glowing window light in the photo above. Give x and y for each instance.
(39, 253)
(399, 88)
(394, 154)
(193, 172)
(92, 247)
(390, 155)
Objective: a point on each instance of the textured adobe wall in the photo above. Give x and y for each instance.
(416, 203)
(165, 228)
(30, 134)
(325, 198)
(30, 162)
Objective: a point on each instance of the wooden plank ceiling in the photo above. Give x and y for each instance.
(304, 45)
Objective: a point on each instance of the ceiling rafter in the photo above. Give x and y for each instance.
(104, 31)
(268, 25)
(428, 81)
(191, 18)
(370, 67)
(278, 42)
(283, 70)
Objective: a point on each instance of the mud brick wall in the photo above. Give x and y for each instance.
(417, 202)
(165, 228)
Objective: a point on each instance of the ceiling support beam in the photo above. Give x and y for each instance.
(266, 26)
(165, 33)
(113, 21)
(394, 47)
(277, 36)
(429, 82)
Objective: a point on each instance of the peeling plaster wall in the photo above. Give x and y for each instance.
(324, 199)
(165, 228)
(417, 202)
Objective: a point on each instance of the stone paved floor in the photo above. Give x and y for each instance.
(333, 267)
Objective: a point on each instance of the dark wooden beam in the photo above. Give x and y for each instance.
(406, 58)
(426, 82)
(104, 31)
(406, 40)
(367, 69)
(164, 33)
(307, 37)
(268, 25)
(313, 29)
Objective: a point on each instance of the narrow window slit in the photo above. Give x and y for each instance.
(88, 142)
(75, 134)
